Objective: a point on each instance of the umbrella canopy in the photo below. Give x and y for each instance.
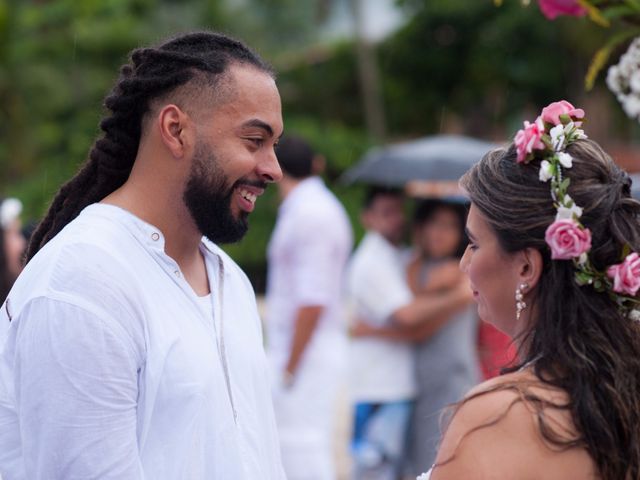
(436, 158)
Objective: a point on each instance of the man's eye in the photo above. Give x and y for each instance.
(257, 141)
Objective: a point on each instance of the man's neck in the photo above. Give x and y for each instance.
(181, 236)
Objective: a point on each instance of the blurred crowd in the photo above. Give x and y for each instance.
(392, 320)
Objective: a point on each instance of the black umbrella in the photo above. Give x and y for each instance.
(436, 158)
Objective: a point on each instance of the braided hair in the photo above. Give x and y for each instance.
(150, 74)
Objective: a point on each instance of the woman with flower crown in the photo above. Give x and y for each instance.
(552, 261)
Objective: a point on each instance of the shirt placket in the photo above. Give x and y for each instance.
(216, 325)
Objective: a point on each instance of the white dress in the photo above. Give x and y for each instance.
(424, 476)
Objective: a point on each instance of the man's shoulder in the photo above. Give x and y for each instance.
(318, 201)
(83, 255)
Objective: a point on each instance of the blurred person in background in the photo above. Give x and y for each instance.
(447, 364)
(383, 383)
(306, 328)
(12, 244)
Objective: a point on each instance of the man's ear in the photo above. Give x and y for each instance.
(530, 267)
(175, 130)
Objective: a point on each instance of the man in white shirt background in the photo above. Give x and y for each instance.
(382, 381)
(306, 331)
(130, 346)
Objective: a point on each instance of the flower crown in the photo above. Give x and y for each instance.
(547, 139)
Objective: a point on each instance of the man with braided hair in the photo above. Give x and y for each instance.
(130, 347)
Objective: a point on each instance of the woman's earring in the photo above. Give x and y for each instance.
(520, 304)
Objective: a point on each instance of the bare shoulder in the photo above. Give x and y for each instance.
(495, 433)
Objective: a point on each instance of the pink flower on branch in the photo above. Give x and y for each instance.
(626, 275)
(552, 113)
(529, 139)
(554, 8)
(567, 239)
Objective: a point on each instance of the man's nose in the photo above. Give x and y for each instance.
(269, 169)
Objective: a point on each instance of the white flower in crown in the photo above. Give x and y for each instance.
(565, 212)
(557, 135)
(579, 134)
(546, 172)
(568, 213)
(565, 159)
(634, 315)
(582, 259)
(569, 127)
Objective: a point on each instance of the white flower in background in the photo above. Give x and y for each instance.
(631, 106)
(545, 172)
(634, 315)
(565, 159)
(613, 79)
(634, 82)
(623, 80)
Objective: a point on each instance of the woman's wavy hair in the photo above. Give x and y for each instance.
(579, 341)
(199, 58)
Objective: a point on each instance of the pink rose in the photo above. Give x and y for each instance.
(529, 139)
(554, 8)
(626, 275)
(567, 239)
(551, 113)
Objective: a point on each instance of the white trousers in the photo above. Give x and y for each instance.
(305, 414)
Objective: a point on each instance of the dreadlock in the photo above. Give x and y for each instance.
(150, 74)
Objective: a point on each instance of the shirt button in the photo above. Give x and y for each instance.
(155, 236)
(177, 272)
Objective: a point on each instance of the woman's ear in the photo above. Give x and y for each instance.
(530, 267)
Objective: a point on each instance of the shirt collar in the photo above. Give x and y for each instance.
(148, 234)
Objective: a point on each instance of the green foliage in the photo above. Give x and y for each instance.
(58, 60)
(324, 86)
(480, 63)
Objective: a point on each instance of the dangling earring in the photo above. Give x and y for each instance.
(520, 304)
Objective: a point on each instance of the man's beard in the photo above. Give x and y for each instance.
(208, 196)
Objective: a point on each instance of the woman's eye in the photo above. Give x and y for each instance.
(473, 247)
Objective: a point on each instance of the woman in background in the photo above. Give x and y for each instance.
(446, 364)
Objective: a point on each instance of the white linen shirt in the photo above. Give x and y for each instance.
(380, 370)
(307, 253)
(110, 369)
